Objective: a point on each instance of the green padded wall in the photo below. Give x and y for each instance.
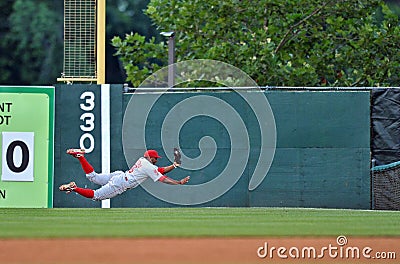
(322, 155)
(67, 135)
(76, 106)
(323, 151)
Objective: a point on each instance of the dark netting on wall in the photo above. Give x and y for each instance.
(386, 186)
(385, 147)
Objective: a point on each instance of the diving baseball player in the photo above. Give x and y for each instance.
(115, 183)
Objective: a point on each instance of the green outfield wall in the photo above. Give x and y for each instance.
(322, 155)
(80, 123)
(26, 139)
(323, 151)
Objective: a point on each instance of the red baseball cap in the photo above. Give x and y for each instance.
(151, 153)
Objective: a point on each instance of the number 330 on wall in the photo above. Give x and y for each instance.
(17, 156)
(88, 121)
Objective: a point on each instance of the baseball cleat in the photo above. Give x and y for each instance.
(76, 152)
(68, 187)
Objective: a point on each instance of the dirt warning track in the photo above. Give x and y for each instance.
(200, 250)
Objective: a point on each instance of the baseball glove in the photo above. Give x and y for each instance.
(177, 156)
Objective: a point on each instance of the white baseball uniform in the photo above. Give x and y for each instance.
(118, 182)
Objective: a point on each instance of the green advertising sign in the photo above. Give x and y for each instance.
(26, 140)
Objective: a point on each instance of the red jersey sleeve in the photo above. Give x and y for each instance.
(161, 170)
(162, 178)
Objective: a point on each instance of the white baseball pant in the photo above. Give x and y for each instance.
(112, 184)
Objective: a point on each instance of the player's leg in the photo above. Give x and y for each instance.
(92, 176)
(117, 185)
(80, 155)
(71, 187)
(107, 191)
(88, 193)
(101, 178)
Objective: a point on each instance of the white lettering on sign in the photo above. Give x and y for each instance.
(86, 140)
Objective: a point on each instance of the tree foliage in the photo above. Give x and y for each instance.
(278, 43)
(124, 16)
(33, 43)
(5, 63)
(31, 34)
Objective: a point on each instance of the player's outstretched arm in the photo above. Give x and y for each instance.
(169, 168)
(168, 180)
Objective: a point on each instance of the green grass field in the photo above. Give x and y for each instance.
(195, 222)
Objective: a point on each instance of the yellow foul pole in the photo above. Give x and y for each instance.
(101, 41)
